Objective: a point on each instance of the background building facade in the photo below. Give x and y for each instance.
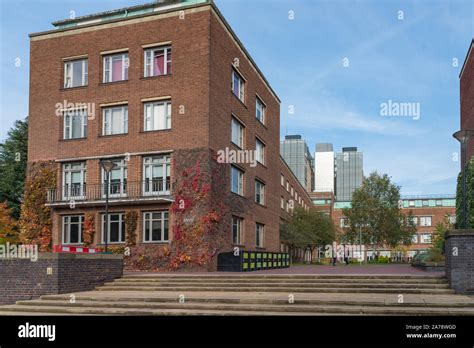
(324, 168)
(349, 172)
(295, 152)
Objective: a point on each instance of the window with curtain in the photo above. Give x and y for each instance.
(157, 115)
(115, 120)
(116, 67)
(75, 73)
(75, 124)
(158, 61)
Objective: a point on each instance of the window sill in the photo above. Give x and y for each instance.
(159, 243)
(261, 205)
(73, 139)
(112, 83)
(238, 195)
(156, 131)
(261, 164)
(113, 135)
(260, 248)
(73, 88)
(261, 123)
(155, 77)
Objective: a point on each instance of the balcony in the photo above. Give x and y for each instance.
(156, 190)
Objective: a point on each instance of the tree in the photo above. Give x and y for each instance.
(469, 196)
(13, 158)
(376, 214)
(440, 232)
(8, 226)
(308, 230)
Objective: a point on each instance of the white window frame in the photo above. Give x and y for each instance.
(423, 240)
(148, 61)
(259, 151)
(282, 203)
(238, 222)
(259, 235)
(282, 180)
(122, 165)
(121, 228)
(68, 116)
(107, 61)
(241, 87)
(149, 163)
(238, 126)
(240, 184)
(149, 115)
(66, 229)
(148, 220)
(424, 221)
(107, 120)
(68, 69)
(259, 192)
(78, 192)
(260, 106)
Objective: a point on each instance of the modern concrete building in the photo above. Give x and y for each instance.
(324, 168)
(155, 90)
(295, 152)
(349, 172)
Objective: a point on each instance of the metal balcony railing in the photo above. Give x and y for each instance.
(117, 191)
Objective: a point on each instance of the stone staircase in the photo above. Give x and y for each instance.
(256, 294)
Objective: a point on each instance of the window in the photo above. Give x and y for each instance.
(259, 235)
(342, 221)
(116, 67)
(439, 203)
(282, 180)
(75, 124)
(260, 111)
(259, 192)
(115, 120)
(282, 203)
(157, 116)
(425, 220)
(238, 86)
(237, 133)
(415, 239)
(75, 73)
(155, 226)
(118, 179)
(292, 191)
(74, 180)
(414, 219)
(157, 61)
(116, 228)
(411, 203)
(287, 186)
(237, 224)
(425, 203)
(452, 219)
(237, 181)
(425, 238)
(72, 229)
(156, 175)
(260, 151)
(287, 206)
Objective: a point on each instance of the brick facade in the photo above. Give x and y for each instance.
(467, 98)
(22, 279)
(205, 51)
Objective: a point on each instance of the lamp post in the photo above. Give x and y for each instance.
(107, 166)
(360, 245)
(463, 137)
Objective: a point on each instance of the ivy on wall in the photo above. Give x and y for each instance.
(89, 229)
(35, 217)
(469, 196)
(131, 221)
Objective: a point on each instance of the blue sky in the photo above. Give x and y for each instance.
(407, 60)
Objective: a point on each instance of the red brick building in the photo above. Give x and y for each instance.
(428, 211)
(162, 90)
(467, 97)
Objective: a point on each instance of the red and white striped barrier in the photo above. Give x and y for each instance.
(73, 249)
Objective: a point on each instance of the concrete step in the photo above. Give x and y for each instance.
(284, 280)
(230, 275)
(278, 284)
(134, 308)
(231, 299)
(403, 290)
